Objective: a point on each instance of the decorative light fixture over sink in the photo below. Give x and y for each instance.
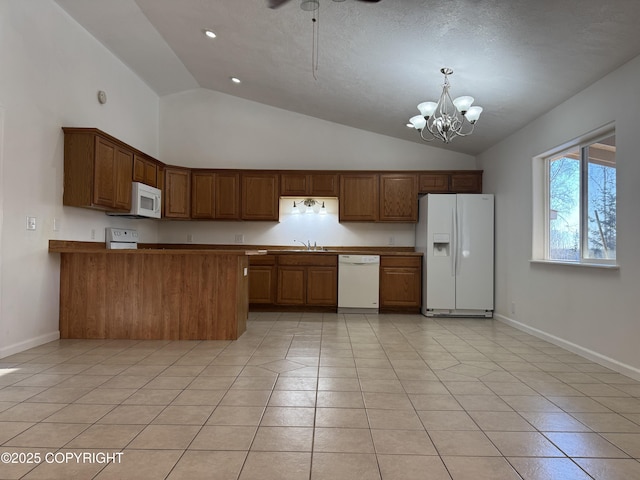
(308, 205)
(448, 118)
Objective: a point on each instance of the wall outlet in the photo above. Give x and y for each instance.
(392, 240)
(31, 223)
(189, 237)
(93, 234)
(513, 308)
(239, 238)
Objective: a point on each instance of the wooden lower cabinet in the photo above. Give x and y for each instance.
(262, 280)
(322, 286)
(299, 280)
(291, 285)
(400, 282)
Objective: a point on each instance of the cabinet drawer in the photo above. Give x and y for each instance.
(397, 261)
(262, 260)
(312, 259)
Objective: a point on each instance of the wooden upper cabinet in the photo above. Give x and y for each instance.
(324, 185)
(398, 198)
(215, 195)
(122, 179)
(316, 184)
(260, 195)
(97, 171)
(145, 170)
(227, 195)
(202, 195)
(358, 197)
(294, 184)
(433, 183)
(466, 182)
(177, 192)
(104, 188)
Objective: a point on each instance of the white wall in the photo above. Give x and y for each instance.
(206, 129)
(591, 311)
(51, 70)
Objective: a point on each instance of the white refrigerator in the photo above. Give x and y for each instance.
(455, 235)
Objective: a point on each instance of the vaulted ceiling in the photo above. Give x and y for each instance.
(375, 61)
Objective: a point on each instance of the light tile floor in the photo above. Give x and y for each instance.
(321, 396)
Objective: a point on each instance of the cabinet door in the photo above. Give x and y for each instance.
(177, 193)
(322, 286)
(398, 198)
(262, 284)
(400, 282)
(291, 285)
(103, 173)
(202, 195)
(227, 196)
(260, 196)
(358, 197)
(466, 182)
(433, 183)
(145, 171)
(122, 179)
(324, 185)
(112, 175)
(294, 184)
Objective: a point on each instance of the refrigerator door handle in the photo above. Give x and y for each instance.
(454, 247)
(459, 230)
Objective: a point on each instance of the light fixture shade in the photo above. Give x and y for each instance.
(418, 122)
(427, 108)
(323, 209)
(295, 210)
(473, 114)
(463, 103)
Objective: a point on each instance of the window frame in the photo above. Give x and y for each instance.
(542, 201)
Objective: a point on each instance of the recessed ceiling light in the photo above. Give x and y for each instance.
(209, 33)
(235, 79)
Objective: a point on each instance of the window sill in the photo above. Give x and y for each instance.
(606, 266)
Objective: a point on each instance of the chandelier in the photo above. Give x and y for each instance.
(448, 118)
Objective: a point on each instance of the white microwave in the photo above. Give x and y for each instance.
(145, 202)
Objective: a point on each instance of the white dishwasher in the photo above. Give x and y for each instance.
(358, 283)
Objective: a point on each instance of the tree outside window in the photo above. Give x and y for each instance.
(582, 202)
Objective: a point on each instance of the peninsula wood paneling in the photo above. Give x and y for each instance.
(176, 296)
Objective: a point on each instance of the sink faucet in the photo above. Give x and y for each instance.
(306, 245)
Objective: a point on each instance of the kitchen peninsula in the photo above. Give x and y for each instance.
(152, 293)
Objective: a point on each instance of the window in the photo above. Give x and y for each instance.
(580, 224)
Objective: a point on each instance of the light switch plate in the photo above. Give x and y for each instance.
(31, 223)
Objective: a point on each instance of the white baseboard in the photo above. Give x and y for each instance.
(603, 360)
(27, 344)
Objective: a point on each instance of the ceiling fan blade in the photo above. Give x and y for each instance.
(276, 3)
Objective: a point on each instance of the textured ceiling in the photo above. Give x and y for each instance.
(376, 62)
